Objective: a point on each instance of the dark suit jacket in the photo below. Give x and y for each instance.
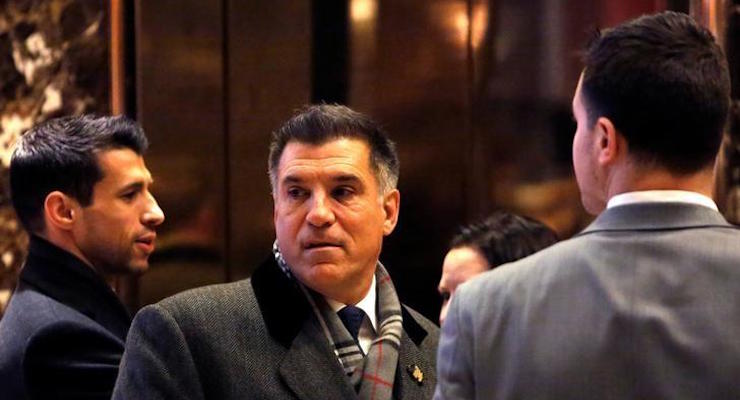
(644, 304)
(63, 333)
(252, 339)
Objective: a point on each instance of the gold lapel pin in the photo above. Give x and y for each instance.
(416, 373)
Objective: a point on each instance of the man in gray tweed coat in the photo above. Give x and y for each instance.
(320, 319)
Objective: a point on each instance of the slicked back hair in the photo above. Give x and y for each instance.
(503, 237)
(61, 154)
(663, 81)
(319, 124)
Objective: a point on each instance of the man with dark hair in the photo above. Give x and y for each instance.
(80, 188)
(643, 303)
(478, 247)
(320, 319)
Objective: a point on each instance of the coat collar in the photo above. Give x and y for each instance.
(656, 216)
(284, 307)
(287, 316)
(65, 278)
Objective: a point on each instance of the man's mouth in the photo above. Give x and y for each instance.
(146, 242)
(320, 245)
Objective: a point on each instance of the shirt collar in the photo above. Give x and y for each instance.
(367, 304)
(661, 196)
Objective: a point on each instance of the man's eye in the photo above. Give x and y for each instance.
(128, 196)
(342, 192)
(295, 192)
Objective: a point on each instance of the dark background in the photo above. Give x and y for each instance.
(475, 93)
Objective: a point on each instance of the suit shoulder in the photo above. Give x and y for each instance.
(32, 313)
(209, 304)
(70, 339)
(218, 294)
(555, 263)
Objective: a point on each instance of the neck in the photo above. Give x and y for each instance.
(351, 297)
(631, 179)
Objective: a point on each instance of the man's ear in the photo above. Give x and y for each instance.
(610, 143)
(391, 207)
(60, 210)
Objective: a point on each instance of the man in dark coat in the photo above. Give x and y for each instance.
(321, 318)
(80, 187)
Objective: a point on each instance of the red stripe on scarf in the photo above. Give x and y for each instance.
(375, 379)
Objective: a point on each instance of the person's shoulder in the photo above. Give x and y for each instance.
(71, 337)
(514, 280)
(207, 302)
(216, 294)
(31, 312)
(533, 265)
(38, 346)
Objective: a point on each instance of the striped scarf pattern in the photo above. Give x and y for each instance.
(373, 375)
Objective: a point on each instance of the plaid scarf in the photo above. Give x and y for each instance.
(372, 376)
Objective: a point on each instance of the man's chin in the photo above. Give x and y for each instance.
(138, 268)
(319, 272)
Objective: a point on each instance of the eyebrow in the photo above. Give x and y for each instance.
(291, 179)
(137, 185)
(341, 178)
(346, 178)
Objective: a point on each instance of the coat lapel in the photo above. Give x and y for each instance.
(309, 367)
(411, 362)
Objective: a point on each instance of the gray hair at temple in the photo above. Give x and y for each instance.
(319, 124)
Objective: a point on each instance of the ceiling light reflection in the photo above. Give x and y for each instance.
(363, 10)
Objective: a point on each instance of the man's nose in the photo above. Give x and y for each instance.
(153, 215)
(320, 213)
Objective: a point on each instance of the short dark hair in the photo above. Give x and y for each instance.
(504, 237)
(663, 81)
(318, 124)
(61, 154)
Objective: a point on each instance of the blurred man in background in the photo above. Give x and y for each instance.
(478, 247)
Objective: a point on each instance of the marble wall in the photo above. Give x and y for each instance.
(53, 61)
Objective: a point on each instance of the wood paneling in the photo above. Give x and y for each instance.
(269, 77)
(409, 73)
(179, 88)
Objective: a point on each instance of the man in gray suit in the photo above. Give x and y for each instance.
(321, 318)
(643, 304)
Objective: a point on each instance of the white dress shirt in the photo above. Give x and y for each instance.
(369, 325)
(661, 196)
